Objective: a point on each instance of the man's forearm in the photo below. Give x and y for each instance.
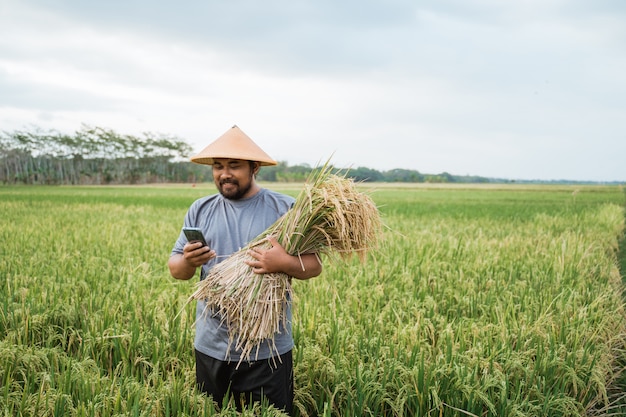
(180, 268)
(304, 266)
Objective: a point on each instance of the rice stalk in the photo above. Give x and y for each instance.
(329, 217)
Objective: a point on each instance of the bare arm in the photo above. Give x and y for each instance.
(184, 265)
(276, 259)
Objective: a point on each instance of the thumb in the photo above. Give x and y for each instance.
(273, 241)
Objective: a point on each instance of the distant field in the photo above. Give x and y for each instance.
(482, 300)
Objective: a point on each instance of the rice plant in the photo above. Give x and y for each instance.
(482, 300)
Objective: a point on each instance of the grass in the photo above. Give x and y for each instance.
(488, 301)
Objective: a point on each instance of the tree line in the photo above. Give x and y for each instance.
(95, 155)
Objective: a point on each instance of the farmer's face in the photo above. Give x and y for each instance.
(234, 178)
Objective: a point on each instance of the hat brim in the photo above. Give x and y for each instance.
(204, 160)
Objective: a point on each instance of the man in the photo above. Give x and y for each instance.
(241, 211)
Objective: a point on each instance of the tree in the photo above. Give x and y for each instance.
(363, 174)
(92, 155)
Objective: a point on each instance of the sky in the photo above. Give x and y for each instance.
(519, 89)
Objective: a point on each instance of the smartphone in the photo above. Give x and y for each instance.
(194, 234)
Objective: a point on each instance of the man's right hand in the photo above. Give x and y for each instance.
(196, 254)
(184, 265)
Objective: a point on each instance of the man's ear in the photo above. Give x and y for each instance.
(256, 166)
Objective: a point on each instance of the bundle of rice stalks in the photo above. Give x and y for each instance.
(330, 217)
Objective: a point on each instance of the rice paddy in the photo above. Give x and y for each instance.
(480, 301)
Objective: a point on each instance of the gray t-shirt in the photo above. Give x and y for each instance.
(228, 225)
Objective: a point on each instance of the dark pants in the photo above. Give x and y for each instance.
(269, 379)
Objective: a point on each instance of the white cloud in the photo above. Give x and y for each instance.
(517, 90)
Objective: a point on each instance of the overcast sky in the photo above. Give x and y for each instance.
(523, 89)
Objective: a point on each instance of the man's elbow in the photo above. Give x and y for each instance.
(312, 270)
(317, 271)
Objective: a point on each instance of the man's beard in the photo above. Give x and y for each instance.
(234, 194)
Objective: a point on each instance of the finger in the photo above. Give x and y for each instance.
(201, 252)
(273, 241)
(191, 247)
(198, 252)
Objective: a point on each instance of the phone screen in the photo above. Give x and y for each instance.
(194, 234)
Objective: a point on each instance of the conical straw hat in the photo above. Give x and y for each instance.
(234, 144)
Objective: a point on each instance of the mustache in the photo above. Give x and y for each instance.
(234, 182)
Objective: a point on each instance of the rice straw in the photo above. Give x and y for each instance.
(329, 217)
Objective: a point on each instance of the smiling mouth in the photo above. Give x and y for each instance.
(229, 184)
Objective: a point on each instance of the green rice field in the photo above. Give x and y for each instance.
(481, 300)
